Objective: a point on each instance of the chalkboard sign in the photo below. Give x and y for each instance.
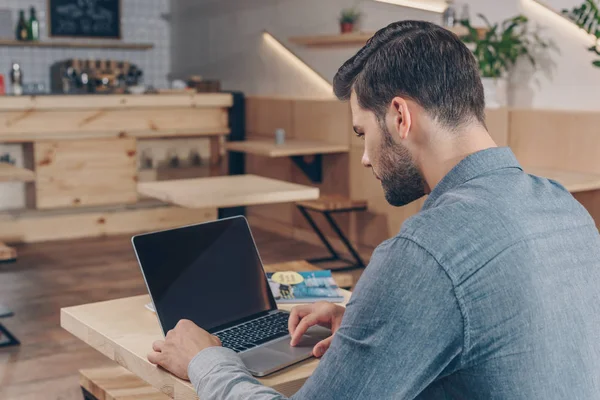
(85, 18)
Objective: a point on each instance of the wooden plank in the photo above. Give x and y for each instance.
(7, 253)
(342, 279)
(322, 120)
(227, 191)
(142, 134)
(116, 383)
(264, 115)
(85, 172)
(39, 226)
(14, 124)
(293, 147)
(573, 181)
(124, 331)
(86, 102)
(10, 173)
(117, 45)
(553, 139)
(356, 38)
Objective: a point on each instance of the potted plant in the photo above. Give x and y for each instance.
(587, 17)
(498, 50)
(348, 19)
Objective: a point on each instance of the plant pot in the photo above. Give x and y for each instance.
(496, 92)
(347, 27)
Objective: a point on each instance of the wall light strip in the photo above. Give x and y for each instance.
(434, 6)
(297, 62)
(556, 18)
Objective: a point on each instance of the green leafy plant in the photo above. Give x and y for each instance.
(502, 44)
(587, 17)
(350, 16)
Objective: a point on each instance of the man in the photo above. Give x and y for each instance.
(492, 291)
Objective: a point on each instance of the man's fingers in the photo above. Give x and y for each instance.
(156, 358)
(158, 345)
(303, 326)
(296, 315)
(321, 347)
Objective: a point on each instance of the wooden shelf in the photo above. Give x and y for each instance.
(290, 148)
(227, 191)
(572, 181)
(10, 173)
(78, 45)
(354, 39)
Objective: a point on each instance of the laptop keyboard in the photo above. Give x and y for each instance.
(254, 333)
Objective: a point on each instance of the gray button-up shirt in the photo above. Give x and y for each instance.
(492, 291)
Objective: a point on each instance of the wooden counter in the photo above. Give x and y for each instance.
(80, 151)
(31, 118)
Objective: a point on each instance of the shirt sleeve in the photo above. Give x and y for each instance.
(402, 330)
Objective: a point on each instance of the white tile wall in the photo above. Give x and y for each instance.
(141, 22)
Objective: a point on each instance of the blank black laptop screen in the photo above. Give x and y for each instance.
(209, 273)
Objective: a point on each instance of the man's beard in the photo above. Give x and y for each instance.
(400, 178)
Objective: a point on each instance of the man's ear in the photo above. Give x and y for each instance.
(400, 118)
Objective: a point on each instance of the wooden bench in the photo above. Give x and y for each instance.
(116, 383)
(328, 205)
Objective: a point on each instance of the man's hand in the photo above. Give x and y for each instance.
(322, 313)
(179, 347)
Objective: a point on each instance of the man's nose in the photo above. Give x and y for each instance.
(365, 160)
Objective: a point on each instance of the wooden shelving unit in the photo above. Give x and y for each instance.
(354, 39)
(78, 45)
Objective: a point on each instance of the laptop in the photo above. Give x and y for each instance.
(212, 274)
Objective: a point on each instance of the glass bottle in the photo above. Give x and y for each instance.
(22, 32)
(34, 26)
(16, 79)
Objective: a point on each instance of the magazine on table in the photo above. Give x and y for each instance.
(304, 287)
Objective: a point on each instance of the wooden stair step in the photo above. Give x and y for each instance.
(117, 383)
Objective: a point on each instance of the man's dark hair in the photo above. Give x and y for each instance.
(420, 61)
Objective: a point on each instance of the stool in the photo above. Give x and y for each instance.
(328, 205)
(116, 383)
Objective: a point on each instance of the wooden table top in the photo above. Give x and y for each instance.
(227, 191)
(124, 330)
(573, 181)
(291, 147)
(10, 173)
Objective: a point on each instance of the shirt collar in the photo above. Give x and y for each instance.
(471, 167)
